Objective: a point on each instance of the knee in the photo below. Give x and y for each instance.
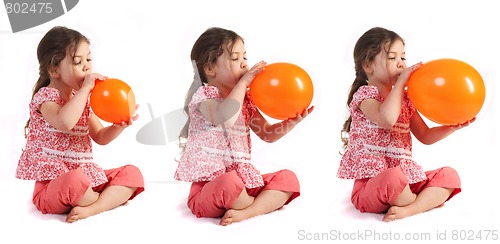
(211, 199)
(393, 179)
(449, 173)
(288, 176)
(283, 180)
(58, 195)
(386, 187)
(76, 178)
(133, 171)
(229, 180)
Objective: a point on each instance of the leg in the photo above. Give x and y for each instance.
(211, 199)
(59, 195)
(440, 186)
(266, 202)
(406, 197)
(280, 188)
(111, 197)
(124, 184)
(88, 198)
(377, 194)
(243, 201)
(427, 199)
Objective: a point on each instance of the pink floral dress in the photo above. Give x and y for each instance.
(210, 152)
(373, 149)
(50, 152)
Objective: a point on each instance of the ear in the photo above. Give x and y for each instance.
(53, 72)
(367, 67)
(209, 70)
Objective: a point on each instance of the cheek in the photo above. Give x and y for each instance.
(390, 67)
(78, 70)
(236, 69)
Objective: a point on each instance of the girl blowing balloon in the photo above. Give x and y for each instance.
(58, 151)
(216, 157)
(379, 145)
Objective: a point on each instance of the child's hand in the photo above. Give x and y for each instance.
(92, 79)
(301, 116)
(403, 77)
(125, 124)
(250, 74)
(462, 125)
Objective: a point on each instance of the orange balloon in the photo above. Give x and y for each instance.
(112, 100)
(282, 90)
(447, 91)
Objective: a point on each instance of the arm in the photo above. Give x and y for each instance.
(386, 114)
(383, 114)
(271, 133)
(65, 118)
(432, 135)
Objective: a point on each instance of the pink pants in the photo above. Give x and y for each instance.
(58, 196)
(376, 195)
(212, 199)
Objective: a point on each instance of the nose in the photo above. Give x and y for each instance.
(401, 64)
(87, 66)
(244, 65)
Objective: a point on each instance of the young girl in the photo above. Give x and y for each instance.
(58, 151)
(379, 148)
(216, 156)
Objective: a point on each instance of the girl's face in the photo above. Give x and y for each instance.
(387, 66)
(74, 69)
(231, 65)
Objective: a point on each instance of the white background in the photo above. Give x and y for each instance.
(148, 43)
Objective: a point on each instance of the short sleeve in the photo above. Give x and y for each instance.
(45, 94)
(203, 93)
(363, 93)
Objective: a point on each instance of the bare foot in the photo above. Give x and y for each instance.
(396, 212)
(82, 212)
(227, 219)
(232, 216)
(78, 213)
